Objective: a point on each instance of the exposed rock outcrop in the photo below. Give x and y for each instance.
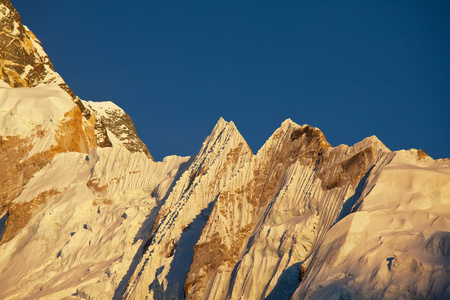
(24, 62)
(114, 127)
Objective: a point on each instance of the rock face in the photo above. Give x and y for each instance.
(115, 127)
(24, 62)
(299, 220)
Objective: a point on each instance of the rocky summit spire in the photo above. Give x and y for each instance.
(24, 63)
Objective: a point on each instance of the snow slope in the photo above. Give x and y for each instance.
(35, 124)
(84, 238)
(34, 113)
(396, 244)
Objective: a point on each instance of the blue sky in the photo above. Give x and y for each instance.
(351, 68)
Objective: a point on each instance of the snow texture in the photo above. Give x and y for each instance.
(35, 114)
(86, 237)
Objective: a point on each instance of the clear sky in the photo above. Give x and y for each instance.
(351, 68)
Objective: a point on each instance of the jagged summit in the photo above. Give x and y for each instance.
(254, 205)
(24, 61)
(371, 141)
(222, 129)
(220, 126)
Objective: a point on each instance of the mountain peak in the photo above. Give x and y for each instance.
(222, 123)
(224, 132)
(25, 62)
(288, 123)
(373, 141)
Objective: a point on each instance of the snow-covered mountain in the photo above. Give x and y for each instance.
(85, 212)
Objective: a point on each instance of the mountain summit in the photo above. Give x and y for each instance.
(86, 213)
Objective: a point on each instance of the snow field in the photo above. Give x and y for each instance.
(393, 245)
